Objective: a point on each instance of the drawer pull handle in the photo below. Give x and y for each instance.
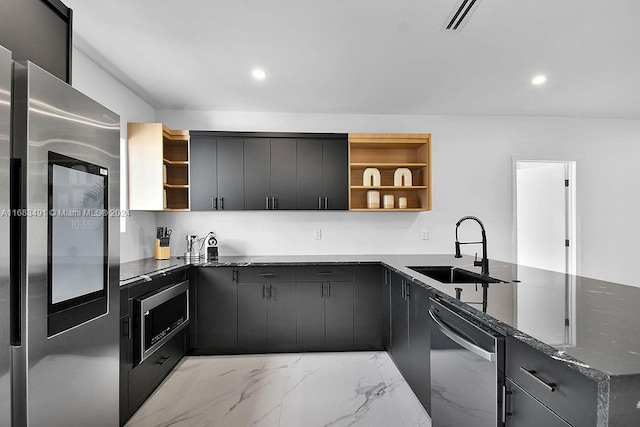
(325, 273)
(266, 274)
(163, 360)
(531, 373)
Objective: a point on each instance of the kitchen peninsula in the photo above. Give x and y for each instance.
(583, 329)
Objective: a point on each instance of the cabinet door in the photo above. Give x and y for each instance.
(257, 174)
(339, 312)
(367, 307)
(309, 176)
(281, 314)
(399, 325)
(419, 377)
(216, 309)
(283, 173)
(310, 312)
(526, 411)
(335, 170)
(230, 165)
(203, 182)
(252, 315)
(386, 310)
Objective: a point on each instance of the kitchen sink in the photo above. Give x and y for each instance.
(451, 274)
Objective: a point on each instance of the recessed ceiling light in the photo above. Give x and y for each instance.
(259, 74)
(539, 80)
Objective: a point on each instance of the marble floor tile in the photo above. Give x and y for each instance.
(284, 390)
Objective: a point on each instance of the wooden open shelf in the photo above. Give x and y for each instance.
(158, 167)
(387, 152)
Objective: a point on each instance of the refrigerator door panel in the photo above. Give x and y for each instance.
(71, 377)
(5, 147)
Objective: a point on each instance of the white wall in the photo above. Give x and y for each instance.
(93, 81)
(472, 175)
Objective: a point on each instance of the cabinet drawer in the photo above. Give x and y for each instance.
(266, 274)
(525, 411)
(564, 390)
(325, 273)
(145, 377)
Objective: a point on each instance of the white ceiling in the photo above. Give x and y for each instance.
(370, 56)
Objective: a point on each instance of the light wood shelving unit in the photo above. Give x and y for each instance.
(387, 152)
(158, 167)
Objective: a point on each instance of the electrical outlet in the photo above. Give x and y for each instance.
(317, 234)
(424, 234)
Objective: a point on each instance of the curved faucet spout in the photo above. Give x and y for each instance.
(484, 262)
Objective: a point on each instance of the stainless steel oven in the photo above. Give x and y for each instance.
(159, 316)
(467, 370)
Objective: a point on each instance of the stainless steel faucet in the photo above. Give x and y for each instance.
(484, 262)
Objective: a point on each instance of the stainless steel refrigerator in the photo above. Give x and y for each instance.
(59, 271)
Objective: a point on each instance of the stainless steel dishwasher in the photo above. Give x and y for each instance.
(467, 370)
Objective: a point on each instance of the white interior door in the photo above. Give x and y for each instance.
(544, 226)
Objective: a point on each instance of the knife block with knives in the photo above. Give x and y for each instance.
(162, 250)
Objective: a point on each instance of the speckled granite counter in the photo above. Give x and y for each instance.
(591, 325)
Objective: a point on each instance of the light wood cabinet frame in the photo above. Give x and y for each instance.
(387, 152)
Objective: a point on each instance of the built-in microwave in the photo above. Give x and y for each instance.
(159, 316)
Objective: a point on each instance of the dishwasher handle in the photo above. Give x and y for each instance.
(478, 351)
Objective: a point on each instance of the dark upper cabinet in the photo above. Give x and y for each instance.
(230, 162)
(246, 171)
(204, 175)
(283, 173)
(335, 177)
(257, 174)
(322, 180)
(217, 172)
(270, 173)
(309, 178)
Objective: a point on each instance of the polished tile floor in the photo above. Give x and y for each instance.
(284, 390)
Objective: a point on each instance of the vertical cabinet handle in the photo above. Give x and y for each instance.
(319, 202)
(266, 203)
(326, 203)
(270, 292)
(402, 289)
(322, 289)
(329, 290)
(222, 203)
(274, 203)
(264, 291)
(407, 295)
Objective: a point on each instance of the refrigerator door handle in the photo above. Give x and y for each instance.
(15, 243)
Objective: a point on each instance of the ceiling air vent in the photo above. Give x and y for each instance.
(460, 14)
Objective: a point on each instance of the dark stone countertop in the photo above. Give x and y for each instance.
(591, 325)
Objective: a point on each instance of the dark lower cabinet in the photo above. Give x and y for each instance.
(385, 296)
(266, 315)
(216, 317)
(339, 313)
(552, 383)
(324, 312)
(523, 410)
(138, 380)
(419, 374)
(399, 324)
(367, 306)
(410, 337)
(310, 312)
